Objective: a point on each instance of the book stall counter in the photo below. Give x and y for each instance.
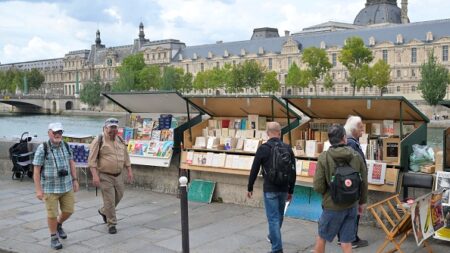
(154, 129)
(392, 125)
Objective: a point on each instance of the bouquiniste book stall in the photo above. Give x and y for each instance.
(155, 128)
(226, 143)
(392, 126)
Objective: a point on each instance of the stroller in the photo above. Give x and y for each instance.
(21, 158)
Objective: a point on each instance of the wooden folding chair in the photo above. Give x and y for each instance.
(395, 222)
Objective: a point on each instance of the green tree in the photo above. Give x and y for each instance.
(380, 74)
(201, 81)
(150, 77)
(129, 73)
(293, 78)
(172, 78)
(35, 79)
(237, 80)
(253, 74)
(435, 79)
(186, 81)
(353, 56)
(90, 93)
(328, 82)
(270, 83)
(317, 63)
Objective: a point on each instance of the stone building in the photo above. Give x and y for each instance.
(384, 27)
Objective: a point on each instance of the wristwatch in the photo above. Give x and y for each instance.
(75, 179)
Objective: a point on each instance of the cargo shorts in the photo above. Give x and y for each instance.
(65, 200)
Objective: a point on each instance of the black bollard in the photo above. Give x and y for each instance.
(184, 215)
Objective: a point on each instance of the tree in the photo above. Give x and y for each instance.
(171, 78)
(35, 79)
(129, 73)
(380, 74)
(90, 93)
(270, 83)
(353, 56)
(328, 82)
(237, 80)
(293, 78)
(201, 80)
(186, 81)
(150, 77)
(317, 63)
(253, 74)
(435, 79)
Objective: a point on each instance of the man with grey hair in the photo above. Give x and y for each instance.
(338, 218)
(275, 193)
(354, 129)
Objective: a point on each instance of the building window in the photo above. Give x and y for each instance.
(385, 56)
(444, 53)
(413, 72)
(153, 56)
(413, 88)
(333, 59)
(333, 75)
(399, 73)
(345, 74)
(202, 67)
(398, 88)
(310, 89)
(289, 62)
(270, 63)
(164, 55)
(321, 89)
(345, 89)
(413, 55)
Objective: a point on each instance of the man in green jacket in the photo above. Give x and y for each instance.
(338, 218)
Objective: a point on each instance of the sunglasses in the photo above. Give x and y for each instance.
(113, 121)
(60, 132)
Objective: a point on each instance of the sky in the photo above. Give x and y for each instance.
(34, 29)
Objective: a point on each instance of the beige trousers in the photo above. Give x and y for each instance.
(112, 192)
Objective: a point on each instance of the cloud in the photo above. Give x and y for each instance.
(114, 12)
(36, 47)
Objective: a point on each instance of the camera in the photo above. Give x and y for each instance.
(62, 173)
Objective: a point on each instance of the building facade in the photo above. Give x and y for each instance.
(384, 27)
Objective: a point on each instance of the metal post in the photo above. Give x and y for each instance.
(184, 214)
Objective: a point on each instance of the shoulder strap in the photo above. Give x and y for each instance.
(45, 150)
(100, 144)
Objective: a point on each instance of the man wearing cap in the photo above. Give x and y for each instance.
(108, 157)
(55, 181)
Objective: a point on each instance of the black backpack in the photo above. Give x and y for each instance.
(282, 169)
(345, 184)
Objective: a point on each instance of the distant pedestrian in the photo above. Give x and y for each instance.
(108, 157)
(339, 214)
(354, 129)
(278, 163)
(55, 181)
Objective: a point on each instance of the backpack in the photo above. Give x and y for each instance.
(282, 169)
(46, 145)
(345, 184)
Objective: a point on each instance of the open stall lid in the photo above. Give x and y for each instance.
(152, 102)
(367, 107)
(241, 106)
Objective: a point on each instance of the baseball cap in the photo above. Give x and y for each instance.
(111, 122)
(56, 126)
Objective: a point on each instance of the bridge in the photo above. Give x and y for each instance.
(48, 104)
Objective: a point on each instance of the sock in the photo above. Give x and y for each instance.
(53, 236)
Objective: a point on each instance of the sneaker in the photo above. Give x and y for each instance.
(268, 239)
(60, 230)
(360, 243)
(112, 230)
(55, 243)
(103, 216)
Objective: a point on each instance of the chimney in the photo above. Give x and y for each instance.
(404, 12)
(286, 33)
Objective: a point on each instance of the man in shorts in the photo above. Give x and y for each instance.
(338, 218)
(55, 181)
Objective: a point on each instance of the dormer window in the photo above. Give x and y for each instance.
(399, 39)
(372, 41)
(429, 36)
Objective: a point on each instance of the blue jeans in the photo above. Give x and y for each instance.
(274, 203)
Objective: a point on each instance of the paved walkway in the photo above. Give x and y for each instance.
(150, 222)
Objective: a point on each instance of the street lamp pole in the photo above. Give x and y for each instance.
(184, 214)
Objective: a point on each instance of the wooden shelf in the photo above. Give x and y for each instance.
(150, 161)
(221, 151)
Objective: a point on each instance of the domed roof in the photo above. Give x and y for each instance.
(379, 13)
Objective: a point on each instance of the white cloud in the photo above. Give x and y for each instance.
(39, 30)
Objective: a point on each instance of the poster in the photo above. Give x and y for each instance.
(376, 172)
(443, 184)
(421, 219)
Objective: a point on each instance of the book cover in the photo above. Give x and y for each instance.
(305, 168)
(189, 157)
(209, 158)
(128, 134)
(147, 123)
(156, 135)
(312, 168)
(298, 167)
(137, 149)
(200, 142)
(225, 123)
(262, 123)
(237, 124)
(391, 149)
(376, 129)
(240, 144)
(243, 124)
(212, 143)
(376, 172)
(251, 145)
(130, 147)
(219, 160)
(310, 149)
(388, 127)
(253, 121)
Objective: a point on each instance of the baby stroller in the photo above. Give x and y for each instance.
(21, 158)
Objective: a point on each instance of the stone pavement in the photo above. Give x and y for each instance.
(150, 222)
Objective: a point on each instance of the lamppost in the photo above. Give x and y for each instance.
(184, 214)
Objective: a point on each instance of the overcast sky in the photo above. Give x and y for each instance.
(32, 30)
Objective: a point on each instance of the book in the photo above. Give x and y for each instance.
(253, 121)
(240, 144)
(189, 157)
(376, 172)
(166, 135)
(147, 123)
(212, 142)
(298, 167)
(388, 127)
(200, 142)
(391, 149)
(225, 123)
(376, 129)
(251, 145)
(237, 124)
(262, 123)
(310, 149)
(305, 168)
(209, 158)
(156, 135)
(312, 168)
(128, 134)
(219, 160)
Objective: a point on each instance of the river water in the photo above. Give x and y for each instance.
(36, 125)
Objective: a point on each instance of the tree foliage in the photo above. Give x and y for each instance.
(150, 76)
(328, 82)
(270, 83)
(129, 73)
(435, 79)
(380, 74)
(354, 56)
(317, 63)
(35, 79)
(293, 78)
(90, 93)
(13, 79)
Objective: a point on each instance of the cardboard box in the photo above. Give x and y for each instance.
(427, 169)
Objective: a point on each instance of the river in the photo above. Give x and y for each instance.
(36, 125)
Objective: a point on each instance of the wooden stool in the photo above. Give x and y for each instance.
(396, 223)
